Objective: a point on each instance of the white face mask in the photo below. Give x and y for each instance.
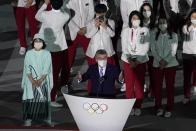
(102, 63)
(136, 23)
(146, 14)
(162, 27)
(193, 21)
(38, 45)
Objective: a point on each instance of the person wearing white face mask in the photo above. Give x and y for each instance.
(127, 6)
(37, 82)
(100, 30)
(147, 13)
(149, 21)
(193, 21)
(189, 55)
(164, 47)
(102, 76)
(135, 46)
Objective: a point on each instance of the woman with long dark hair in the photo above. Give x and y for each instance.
(164, 50)
(135, 45)
(127, 6)
(148, 17)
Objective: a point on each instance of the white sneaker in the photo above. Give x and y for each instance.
(49, 122)
(22, 51)
(27, 123)
(167, 114)
(138, 112)
(132, 112)
(160, 112)
(55, 104)
(123, 88)
(185, 101)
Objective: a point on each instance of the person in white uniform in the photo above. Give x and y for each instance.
(127, 6)
(100, 30)
(84, 13)
(53, 22)
(189, 54)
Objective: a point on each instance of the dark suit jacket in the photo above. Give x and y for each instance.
(104, 86)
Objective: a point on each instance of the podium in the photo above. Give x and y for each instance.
(96, 114)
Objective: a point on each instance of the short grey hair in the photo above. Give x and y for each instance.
(100, 52)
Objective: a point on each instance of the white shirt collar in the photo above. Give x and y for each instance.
(55, 10)
(104, 69)
(135, 29)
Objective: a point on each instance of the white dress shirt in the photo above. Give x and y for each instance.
(189, 44)
(135, 42)
(84, 13)
(52, 28)
(103, 70)
(100, 38)
(22, 3)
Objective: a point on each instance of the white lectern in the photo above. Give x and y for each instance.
(95, 114)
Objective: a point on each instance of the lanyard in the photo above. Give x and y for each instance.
(133, 48)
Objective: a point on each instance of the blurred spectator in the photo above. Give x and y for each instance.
(53, 22)
(25, 9)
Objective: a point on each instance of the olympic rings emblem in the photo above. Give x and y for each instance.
(95, 108)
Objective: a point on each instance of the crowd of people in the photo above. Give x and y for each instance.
(151, 32)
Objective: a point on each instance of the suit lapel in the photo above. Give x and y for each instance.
(97, 71)
(107, 70)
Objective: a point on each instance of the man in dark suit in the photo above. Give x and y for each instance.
(102, 76)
